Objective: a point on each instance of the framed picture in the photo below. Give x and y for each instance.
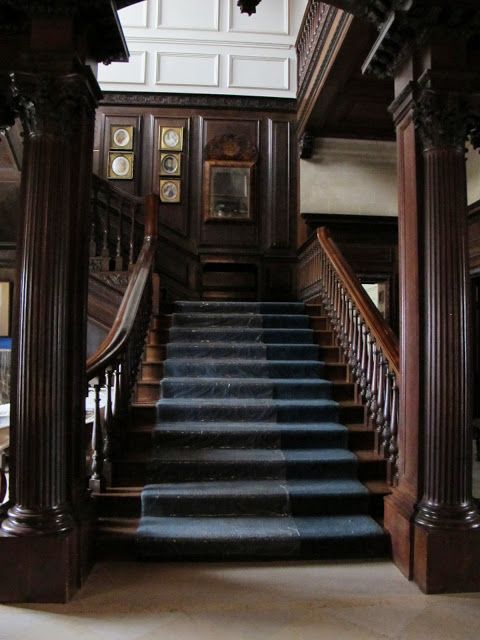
(120, 166)
(228, 190)
(5, 308)
(121, 137)
(170, 190)
(170, 164)
(171, 138)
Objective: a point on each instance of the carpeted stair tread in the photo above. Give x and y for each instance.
(250, 456)
(242, 334)
(255, 350)
(244, 368)
(239, 307)
(217, 320)
(300, 388)
(247, 536)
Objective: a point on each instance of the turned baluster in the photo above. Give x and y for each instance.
(372, 404)
(369, 375)
(109, 426)
(386, 433)
(378, 418)
(97, 479)
(364, 362)
(357, 369)
(392, 465)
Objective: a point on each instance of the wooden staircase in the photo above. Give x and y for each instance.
(118, 508)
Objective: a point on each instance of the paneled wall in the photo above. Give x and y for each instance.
(243, 259)
(208, 46)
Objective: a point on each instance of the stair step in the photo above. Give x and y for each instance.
(302, 388)
(249, 435)
(175, 465)
(265, 410)
(247, 334)
(239, 307)
(250, 537)
(250, 320)
(261, 497)
(243, 368)
(252, 350)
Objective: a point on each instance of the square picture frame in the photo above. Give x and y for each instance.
(6, 290)
(121, 137)
(170, 164)
(120, 165)
(171, 138)
(170, 190)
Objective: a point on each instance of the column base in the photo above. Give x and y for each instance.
(39, 568)
(27, 522)
(446, 560)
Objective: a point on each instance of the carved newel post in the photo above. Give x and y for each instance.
(447, 523)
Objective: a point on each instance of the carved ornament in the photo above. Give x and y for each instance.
(231, 147)
(248, 6)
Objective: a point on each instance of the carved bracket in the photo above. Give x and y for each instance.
(305, 146)
(231, 147)
(248, 6)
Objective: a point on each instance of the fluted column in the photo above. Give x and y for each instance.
(442, 120)
(57, 113)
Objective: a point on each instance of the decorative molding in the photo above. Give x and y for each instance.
(199, 101)
(231, 147)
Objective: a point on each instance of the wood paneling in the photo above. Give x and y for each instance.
(188, 242)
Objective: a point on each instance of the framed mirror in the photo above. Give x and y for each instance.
(228, 190)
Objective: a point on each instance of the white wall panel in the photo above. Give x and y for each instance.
(208, 46)
(132, 72)
(135, 16)
(272, 17)
(254, 72)
(186, 14)
(187, 69)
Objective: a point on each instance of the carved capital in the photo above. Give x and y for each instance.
(442, 119)
(49, 104)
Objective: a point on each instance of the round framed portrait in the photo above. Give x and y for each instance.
(120, 166)
(171, 138)
(170, 164)
(121, 137)
(170, 190)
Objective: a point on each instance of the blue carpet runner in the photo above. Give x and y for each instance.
(249, 460)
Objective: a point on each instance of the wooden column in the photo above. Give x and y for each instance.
(400, 505)
(447, 523)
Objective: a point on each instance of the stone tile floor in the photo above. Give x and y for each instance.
(274, 601)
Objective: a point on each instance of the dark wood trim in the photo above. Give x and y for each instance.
(199, 101)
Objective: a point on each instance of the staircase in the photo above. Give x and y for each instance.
(249, 459)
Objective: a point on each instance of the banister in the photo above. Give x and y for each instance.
(113, 367)
(372, 317)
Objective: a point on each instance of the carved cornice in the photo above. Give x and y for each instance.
(200, 101)
(248, 6)
(50, 104)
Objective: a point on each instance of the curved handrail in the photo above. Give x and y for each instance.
(376, 323)
(118, 335)
(112, 369)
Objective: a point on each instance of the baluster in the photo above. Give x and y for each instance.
(97, 480)
(352, 339)
(392, 468)
(386, 433)
(109, 428)
(131, 253)
(357, 370)
(369, 374)
(378, 418)
(364, 362)
(372, 405)
(118, 252)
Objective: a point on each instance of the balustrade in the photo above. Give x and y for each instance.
(112, 370)
(369, 346)
(310, 32)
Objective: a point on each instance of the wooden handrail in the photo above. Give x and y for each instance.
(376, 323)
(112, 369)
(368, 345)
